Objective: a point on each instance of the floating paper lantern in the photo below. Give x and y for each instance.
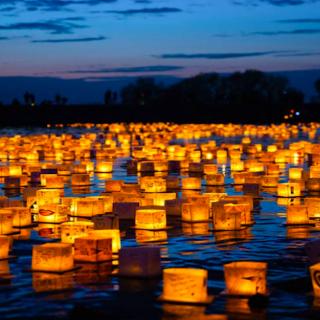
(172, 182)
(93, 249)
(226, 216)
(314, 172)
(295, 173)
(153, 184)
(194, 212)
(6, 221)
(72, 230)
(80, 179)
(113, 185)
(21, 216)
(87, 207)
(114, 234)
(191, 183)
(291, 189)
(45, 196)
(53, 213)
(237, 165)
(245, 278)
(195, 167)
(160, 166)
(297, 214)
(141, 262)
(210, 168)
(222, 156)
(104, 166)
(186, 285)
(4, 247)
(269, 181)
(151, 218)
(215, 179)
(313, 184)
(52, 257)
(52, 181)
(159, 199)
(145, 166)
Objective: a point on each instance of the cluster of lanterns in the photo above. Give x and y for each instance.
(177, 177)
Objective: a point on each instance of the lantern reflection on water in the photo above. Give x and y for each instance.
(4, 247)
(46, 282)
(245, 278)
(52, 257)
(186, 285)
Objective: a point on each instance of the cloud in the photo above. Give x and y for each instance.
(85, 39)
(216, 56)
(303, 20)
(285, 32)
(153, 11)
(139, 69)
(58, 26)
(279, 3)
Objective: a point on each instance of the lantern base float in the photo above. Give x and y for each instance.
(205, 302)
(55, 272)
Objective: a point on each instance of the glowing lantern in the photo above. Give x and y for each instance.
(141, 262)
(313, 184)
(151, 218)
(145, 166)
(295, 173)
(297, 214)
(15, 170)
(72, 230)
(6, 221)
(172, 182)
(185, 285)
(93, 249)
(315, 277)
(45, 196)
(195, 167)
(4, 247)
(194, 212)
(114, 234)
(159, 199)
(80, 179)
(52, 181)
(269, 181)
(52, 257)
(160, 166)
(291, 189)
(21, 216)
(237, 165)
(313, 205)
(210, 168)
(53, 213)
(222, 156)
(314, 172)
(215, 179)
(104, 166)
(113, 185)
(191, 183)
(246, 278)
(153, 184)
(226, 216)
(88, 207)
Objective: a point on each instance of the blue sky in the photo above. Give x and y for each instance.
(106, 38)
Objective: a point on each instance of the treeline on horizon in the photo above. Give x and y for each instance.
(242, 97)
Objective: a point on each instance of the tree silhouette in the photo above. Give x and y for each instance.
(317, 86)
(29, 99)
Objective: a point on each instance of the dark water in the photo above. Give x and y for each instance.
(93, 293)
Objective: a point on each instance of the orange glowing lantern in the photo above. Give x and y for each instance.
(297, 214)
(226, 216)
(290, 189)
(191, 183)
(72, 230)
(87, 207)
(93, 249)
(80, 179)
(52, 181)
(246, 278)
(159, 199)
(153, 184)
(53, 213)
(209, 168)
(295, 173)
(52, 257)
(113, 185)
(222, 156)
(194, 212)
(237, 165)
(6, 221)
(185, 285)
(313, 184)
(21, 216)
(104, 166)
(4, 247)
(215, 179)
(269, 181)
(114, 234)
(140, 262)
(151, 218)
(47, 196)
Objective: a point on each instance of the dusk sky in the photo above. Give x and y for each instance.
(103, 38)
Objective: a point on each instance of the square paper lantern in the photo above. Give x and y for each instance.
(191, 183)
(185, 285)
(295, 173)
(153, 184)
(4, 247)
(52, 181)
(114, 234)
(140, 262)
(210, 168)
(237, 165)
(226, 216)
(297, 214)
(268, 181)
(215, 179)
(291, 189)
(52, 257)
(104, 166)
(47, 196)
(93, 249)
(222, 156)
(151, 218)
(246, 278)
(159, 199)
(193, 212)
(21, 216)
(80, 179)
(88, 207)
(72, 230)
(113, 185)
(53, 213)
(6, 221)
(315, 277)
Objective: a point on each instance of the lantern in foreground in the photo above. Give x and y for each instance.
(88, 207)
(72, 230)
(246, 278)
(185, 285)
(151, 218)
(4, 247)
(114, 234)
(193, 212)
(226, 216)
(297, 214)
(52, 257)
(153, 184)
(93, 249)
(53, 213)
(290, 189)
(141, 262)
